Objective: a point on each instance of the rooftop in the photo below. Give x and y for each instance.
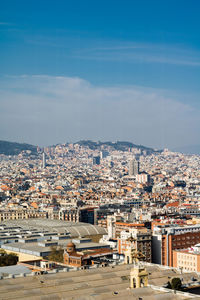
(100, 284)
(74, 229)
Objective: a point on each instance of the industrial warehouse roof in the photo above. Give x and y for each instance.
(72, 228)
(98, 284)
(13, 270)
(40, 249)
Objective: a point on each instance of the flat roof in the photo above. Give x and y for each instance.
(98, 284)
(36, 248)
(14, 270)
(27, 248)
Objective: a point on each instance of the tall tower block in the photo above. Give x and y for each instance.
(43, 160)
(134, 167)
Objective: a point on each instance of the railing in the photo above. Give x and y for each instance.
(185, 294)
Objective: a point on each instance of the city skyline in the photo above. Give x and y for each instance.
(115, 71)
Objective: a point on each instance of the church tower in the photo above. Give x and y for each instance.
(138, 277)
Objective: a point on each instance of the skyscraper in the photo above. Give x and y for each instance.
(96, 160)
(134, 167)
(43, 160)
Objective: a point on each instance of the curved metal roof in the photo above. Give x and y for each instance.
(74, 229)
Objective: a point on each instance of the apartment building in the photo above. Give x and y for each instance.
(120, 226)
(21, 214)
(139, 238)
(165, 239)
(187, 259)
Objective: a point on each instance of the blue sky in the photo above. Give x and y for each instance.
(148, 52)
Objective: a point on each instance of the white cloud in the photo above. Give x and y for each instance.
(46, 110)
(142, 53)
(121, 51)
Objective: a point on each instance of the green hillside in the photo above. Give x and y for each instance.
(119, 145)
(11, 148)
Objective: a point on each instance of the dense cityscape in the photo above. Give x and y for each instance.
(99, 150)
(71, 206)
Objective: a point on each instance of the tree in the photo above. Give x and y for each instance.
(56, 254)
(7, 259)
(175, 284)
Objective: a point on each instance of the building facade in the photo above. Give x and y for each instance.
(187, 259)
(134, 167)
(141, 239)
(167, 239)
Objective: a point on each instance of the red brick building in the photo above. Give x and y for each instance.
(75, 258)
(167, 239)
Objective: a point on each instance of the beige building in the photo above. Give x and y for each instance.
(140, 239)
(20, 214)
(187, 259)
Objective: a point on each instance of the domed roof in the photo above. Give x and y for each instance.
(70, 244)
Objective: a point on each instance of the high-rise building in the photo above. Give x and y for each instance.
(43, 160)
(104, 154)
(134, 167)
(96, 160)
(111, 226)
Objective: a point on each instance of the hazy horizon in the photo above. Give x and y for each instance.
(192, 149)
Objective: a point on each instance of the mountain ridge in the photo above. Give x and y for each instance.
(14, 148)
(118, 145)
